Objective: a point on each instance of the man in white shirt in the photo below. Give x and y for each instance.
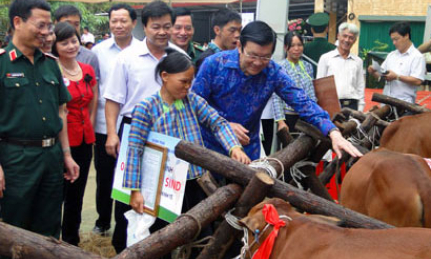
(346, 68)
(405, 67)
(87, 36)
(122, 20)
(132, 80)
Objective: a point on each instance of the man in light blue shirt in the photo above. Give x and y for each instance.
(122, 20)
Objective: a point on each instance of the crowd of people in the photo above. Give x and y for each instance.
(60, 102)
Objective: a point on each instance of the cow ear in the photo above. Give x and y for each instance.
(250, 222)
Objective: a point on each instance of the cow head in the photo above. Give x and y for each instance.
(257, 228)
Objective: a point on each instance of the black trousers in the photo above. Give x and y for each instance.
(74, 194)
(268, 129)
(105, 168)
(119, 238)
(349, 103)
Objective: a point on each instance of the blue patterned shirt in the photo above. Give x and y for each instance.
(302, 74)
(241, 99)
(180, 121)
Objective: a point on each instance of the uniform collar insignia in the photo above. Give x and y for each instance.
(12, 55)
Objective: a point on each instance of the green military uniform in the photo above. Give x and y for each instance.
(319, 45)
(30, 97)
(194, 51)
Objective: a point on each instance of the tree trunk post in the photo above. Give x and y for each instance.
(242, 174)
(399, 103)
(225, 234)
(20, 243)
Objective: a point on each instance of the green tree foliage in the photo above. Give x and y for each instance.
(96, 23)
(4, 17)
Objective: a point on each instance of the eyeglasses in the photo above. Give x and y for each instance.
(41, 26)
(254, 58)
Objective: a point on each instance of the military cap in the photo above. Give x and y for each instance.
(318, 20)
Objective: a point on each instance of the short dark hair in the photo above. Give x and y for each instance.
(65, 11)
(116, 7)
(156, 9)
(319, 29)
(223, 17)
(402, 28)
(63, 31)
(23, 8)
(182, 11)
(258, 32)
(174, 62)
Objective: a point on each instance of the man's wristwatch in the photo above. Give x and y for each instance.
(398, 77)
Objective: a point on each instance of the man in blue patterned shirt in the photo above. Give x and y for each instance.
(238, 84)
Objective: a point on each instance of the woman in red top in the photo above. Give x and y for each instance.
(80, 80)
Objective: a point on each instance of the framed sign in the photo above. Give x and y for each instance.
(174, 176)
(152, 168)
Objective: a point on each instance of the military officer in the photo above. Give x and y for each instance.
(319, 45)
(33, 133)
(182, 33)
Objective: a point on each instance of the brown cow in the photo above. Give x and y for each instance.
(410, 134)
(305, 237)
(390, 186)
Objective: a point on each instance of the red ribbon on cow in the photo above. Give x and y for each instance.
(271, 217)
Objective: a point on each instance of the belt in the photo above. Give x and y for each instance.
(348, 101)
(48, 142)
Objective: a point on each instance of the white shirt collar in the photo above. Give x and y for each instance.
(113, 44)
(145, 51)
(409, 50)
(336, 53)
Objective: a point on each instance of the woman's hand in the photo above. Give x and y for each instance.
(282, 124)
(137, 201)
(339, 143)
(239, 155)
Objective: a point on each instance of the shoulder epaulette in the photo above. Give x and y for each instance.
(2, 51)
(50, 56)
(198, 47)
